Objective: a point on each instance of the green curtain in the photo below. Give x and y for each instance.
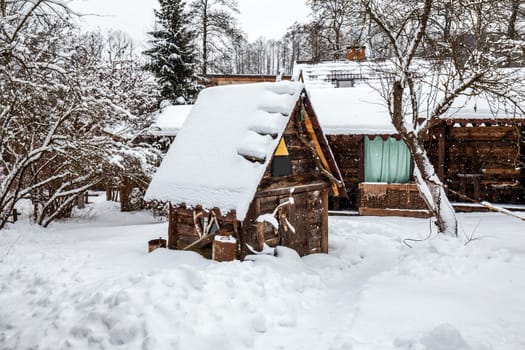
(387, 161)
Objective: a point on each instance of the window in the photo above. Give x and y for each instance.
(387, 161)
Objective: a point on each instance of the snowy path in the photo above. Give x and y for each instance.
(90, 284)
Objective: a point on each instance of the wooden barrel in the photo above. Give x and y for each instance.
(224, 248)
(156, 243)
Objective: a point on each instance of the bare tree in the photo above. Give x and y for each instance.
(62, 108)
(216, 27)
(465, 67)
(339, 24)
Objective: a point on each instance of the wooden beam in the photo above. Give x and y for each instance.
(441, 153)
(362, 160)
(320, 152)
(324, 224)
(323, 142)
(296, 189)
(423, 214)
(173, 235)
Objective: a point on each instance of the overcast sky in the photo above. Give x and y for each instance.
(268, 18)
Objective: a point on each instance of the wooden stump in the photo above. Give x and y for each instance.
(156, 243)
(224, 248)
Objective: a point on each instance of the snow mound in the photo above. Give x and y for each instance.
(442, 337)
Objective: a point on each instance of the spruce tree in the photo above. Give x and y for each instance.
(172, 53)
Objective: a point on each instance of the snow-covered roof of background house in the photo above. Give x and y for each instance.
(319, 75)
(169, 120)
(207, 164)
(362, 110)
(351, 111)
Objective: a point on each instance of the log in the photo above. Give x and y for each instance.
(224, 248)
(173, 234)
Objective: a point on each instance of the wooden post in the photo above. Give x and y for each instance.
(362, 159)
(108, 193)
(173, 234)
(324, 223)
(236, 233)
(124, 194)
(245, 232)
(224, 248)
(81, 201)
(15, 215)
(441, 153)
(462, 184)
(86, 196)
(475, 184)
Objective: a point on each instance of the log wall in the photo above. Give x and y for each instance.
(309, 189)
(348, 153)
(303, 225)
(182, 230)
(494, 152)
(390, 196)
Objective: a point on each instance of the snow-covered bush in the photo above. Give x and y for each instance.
(70, 105)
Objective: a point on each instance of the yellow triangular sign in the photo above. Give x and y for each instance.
(281, 149)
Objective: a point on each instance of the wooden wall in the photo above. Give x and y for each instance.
(309, 213)
(348, 151)
(307, 231)
(182, 230)
(391, 199)
(493, 152)
(228, 79)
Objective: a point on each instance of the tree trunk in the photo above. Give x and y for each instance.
(511, 30)
(430, 186)
(432, 189)
(205, 39)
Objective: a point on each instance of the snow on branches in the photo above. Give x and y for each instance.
(66, 108)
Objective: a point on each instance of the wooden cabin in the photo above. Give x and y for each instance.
(250, 164)
(234, 79)
(477, 149)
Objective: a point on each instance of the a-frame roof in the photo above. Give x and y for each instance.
(209, 162)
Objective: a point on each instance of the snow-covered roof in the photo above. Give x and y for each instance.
(357, 110)
(207, 164)
(169, 120)
(320, 75)
(483, 106)
(362, 110)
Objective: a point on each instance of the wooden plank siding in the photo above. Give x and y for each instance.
(493, 152)
(347, 153)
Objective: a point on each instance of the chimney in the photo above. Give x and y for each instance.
(356, 53)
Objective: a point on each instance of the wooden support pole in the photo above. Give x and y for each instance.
(245, 232)
(441, 153)
(173, 234)
(362, 159)
(324, 223)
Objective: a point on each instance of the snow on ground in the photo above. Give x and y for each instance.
(89, 283)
